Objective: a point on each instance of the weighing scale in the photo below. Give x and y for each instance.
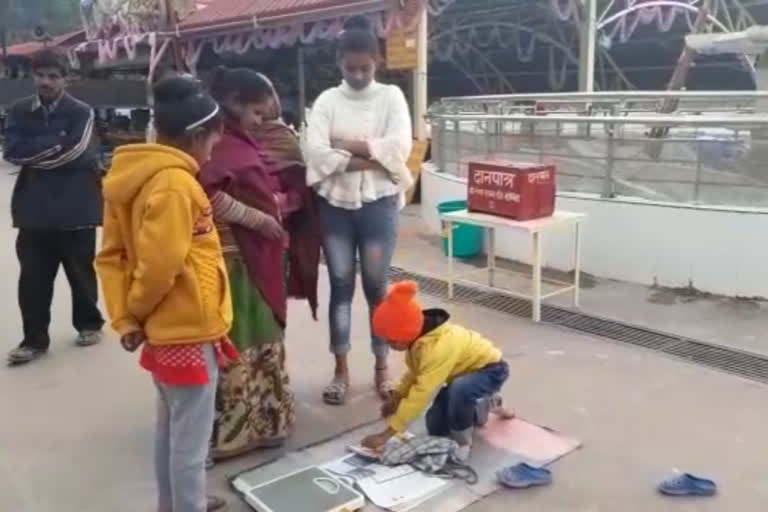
(308, 490)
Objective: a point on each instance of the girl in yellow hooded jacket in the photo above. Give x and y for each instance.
(165, 282)
(457, 370)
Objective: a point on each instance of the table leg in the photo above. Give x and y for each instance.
(577, 266)
(536, 264)
(491, 255)
(449, 227)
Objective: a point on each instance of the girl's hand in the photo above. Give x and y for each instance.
(132, 341)
(356, 147)
(270, 228)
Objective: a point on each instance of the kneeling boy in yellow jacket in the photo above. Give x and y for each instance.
(456, 369)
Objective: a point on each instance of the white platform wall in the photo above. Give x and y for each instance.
(713, 249)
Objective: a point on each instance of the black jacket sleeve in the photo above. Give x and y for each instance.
(24, 148)
(73, 143)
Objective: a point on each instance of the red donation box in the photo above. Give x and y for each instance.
(517, 190)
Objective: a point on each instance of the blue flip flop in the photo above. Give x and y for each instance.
(523, 476)
(687, 484)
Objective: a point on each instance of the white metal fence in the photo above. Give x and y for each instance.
(712, 150)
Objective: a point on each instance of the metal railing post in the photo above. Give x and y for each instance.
(442, 159)
(457, 146)
(608, 188)
(498, 137)
(697, 182)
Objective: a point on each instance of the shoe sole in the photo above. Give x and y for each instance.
(525, 485)
(15, 361)
(80, 343)
(681, 493)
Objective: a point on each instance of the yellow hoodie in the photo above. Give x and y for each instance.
(435, 359)
(160, 264)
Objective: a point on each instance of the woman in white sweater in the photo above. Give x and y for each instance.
(358, 143)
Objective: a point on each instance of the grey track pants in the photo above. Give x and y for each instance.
(184, 425)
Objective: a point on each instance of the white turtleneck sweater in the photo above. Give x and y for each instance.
(378, 115)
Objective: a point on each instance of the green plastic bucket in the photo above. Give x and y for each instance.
(467, 240)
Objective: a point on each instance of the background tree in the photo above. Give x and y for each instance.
(22, 17)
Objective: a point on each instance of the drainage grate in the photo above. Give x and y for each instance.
(744, 364)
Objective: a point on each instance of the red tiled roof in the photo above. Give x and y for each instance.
(221, 12)
(31, 47)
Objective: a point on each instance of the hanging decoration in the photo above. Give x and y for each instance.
(463, 44)
(384, 23)
(437, 7)
(621, 18)
(569, 10)
(557, 78)
(109, 49)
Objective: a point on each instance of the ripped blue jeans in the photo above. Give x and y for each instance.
(369, 233)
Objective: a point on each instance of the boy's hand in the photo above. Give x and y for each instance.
(133, 340)
(390, 405)
(377, 442)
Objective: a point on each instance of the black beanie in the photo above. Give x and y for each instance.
(181, 105)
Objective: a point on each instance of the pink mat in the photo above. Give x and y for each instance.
(528, 441)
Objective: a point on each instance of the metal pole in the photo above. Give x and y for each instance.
(587, 45)
(442, 160)
(697, 183)
(457, 146)
(420, 82)
(4, 11)
(4, 45)
(302, 84)
(609, 162)
(155, 56)
(681, 72)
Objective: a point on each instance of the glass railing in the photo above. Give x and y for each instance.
(716, 154)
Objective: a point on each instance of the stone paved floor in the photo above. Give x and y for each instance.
(76, 428)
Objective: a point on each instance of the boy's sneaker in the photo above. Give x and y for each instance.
(463, 439)
(24, 355)
(89, 338)
(462, 453)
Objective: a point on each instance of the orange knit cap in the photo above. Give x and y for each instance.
(399, 318)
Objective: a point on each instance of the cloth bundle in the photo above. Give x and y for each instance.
(433, 455)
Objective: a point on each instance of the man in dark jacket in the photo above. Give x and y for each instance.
(56, 205)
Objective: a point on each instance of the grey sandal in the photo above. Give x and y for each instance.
(336, 392)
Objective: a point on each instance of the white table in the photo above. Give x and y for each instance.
(536, 229)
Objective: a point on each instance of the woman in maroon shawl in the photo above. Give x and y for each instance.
(255, 407)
